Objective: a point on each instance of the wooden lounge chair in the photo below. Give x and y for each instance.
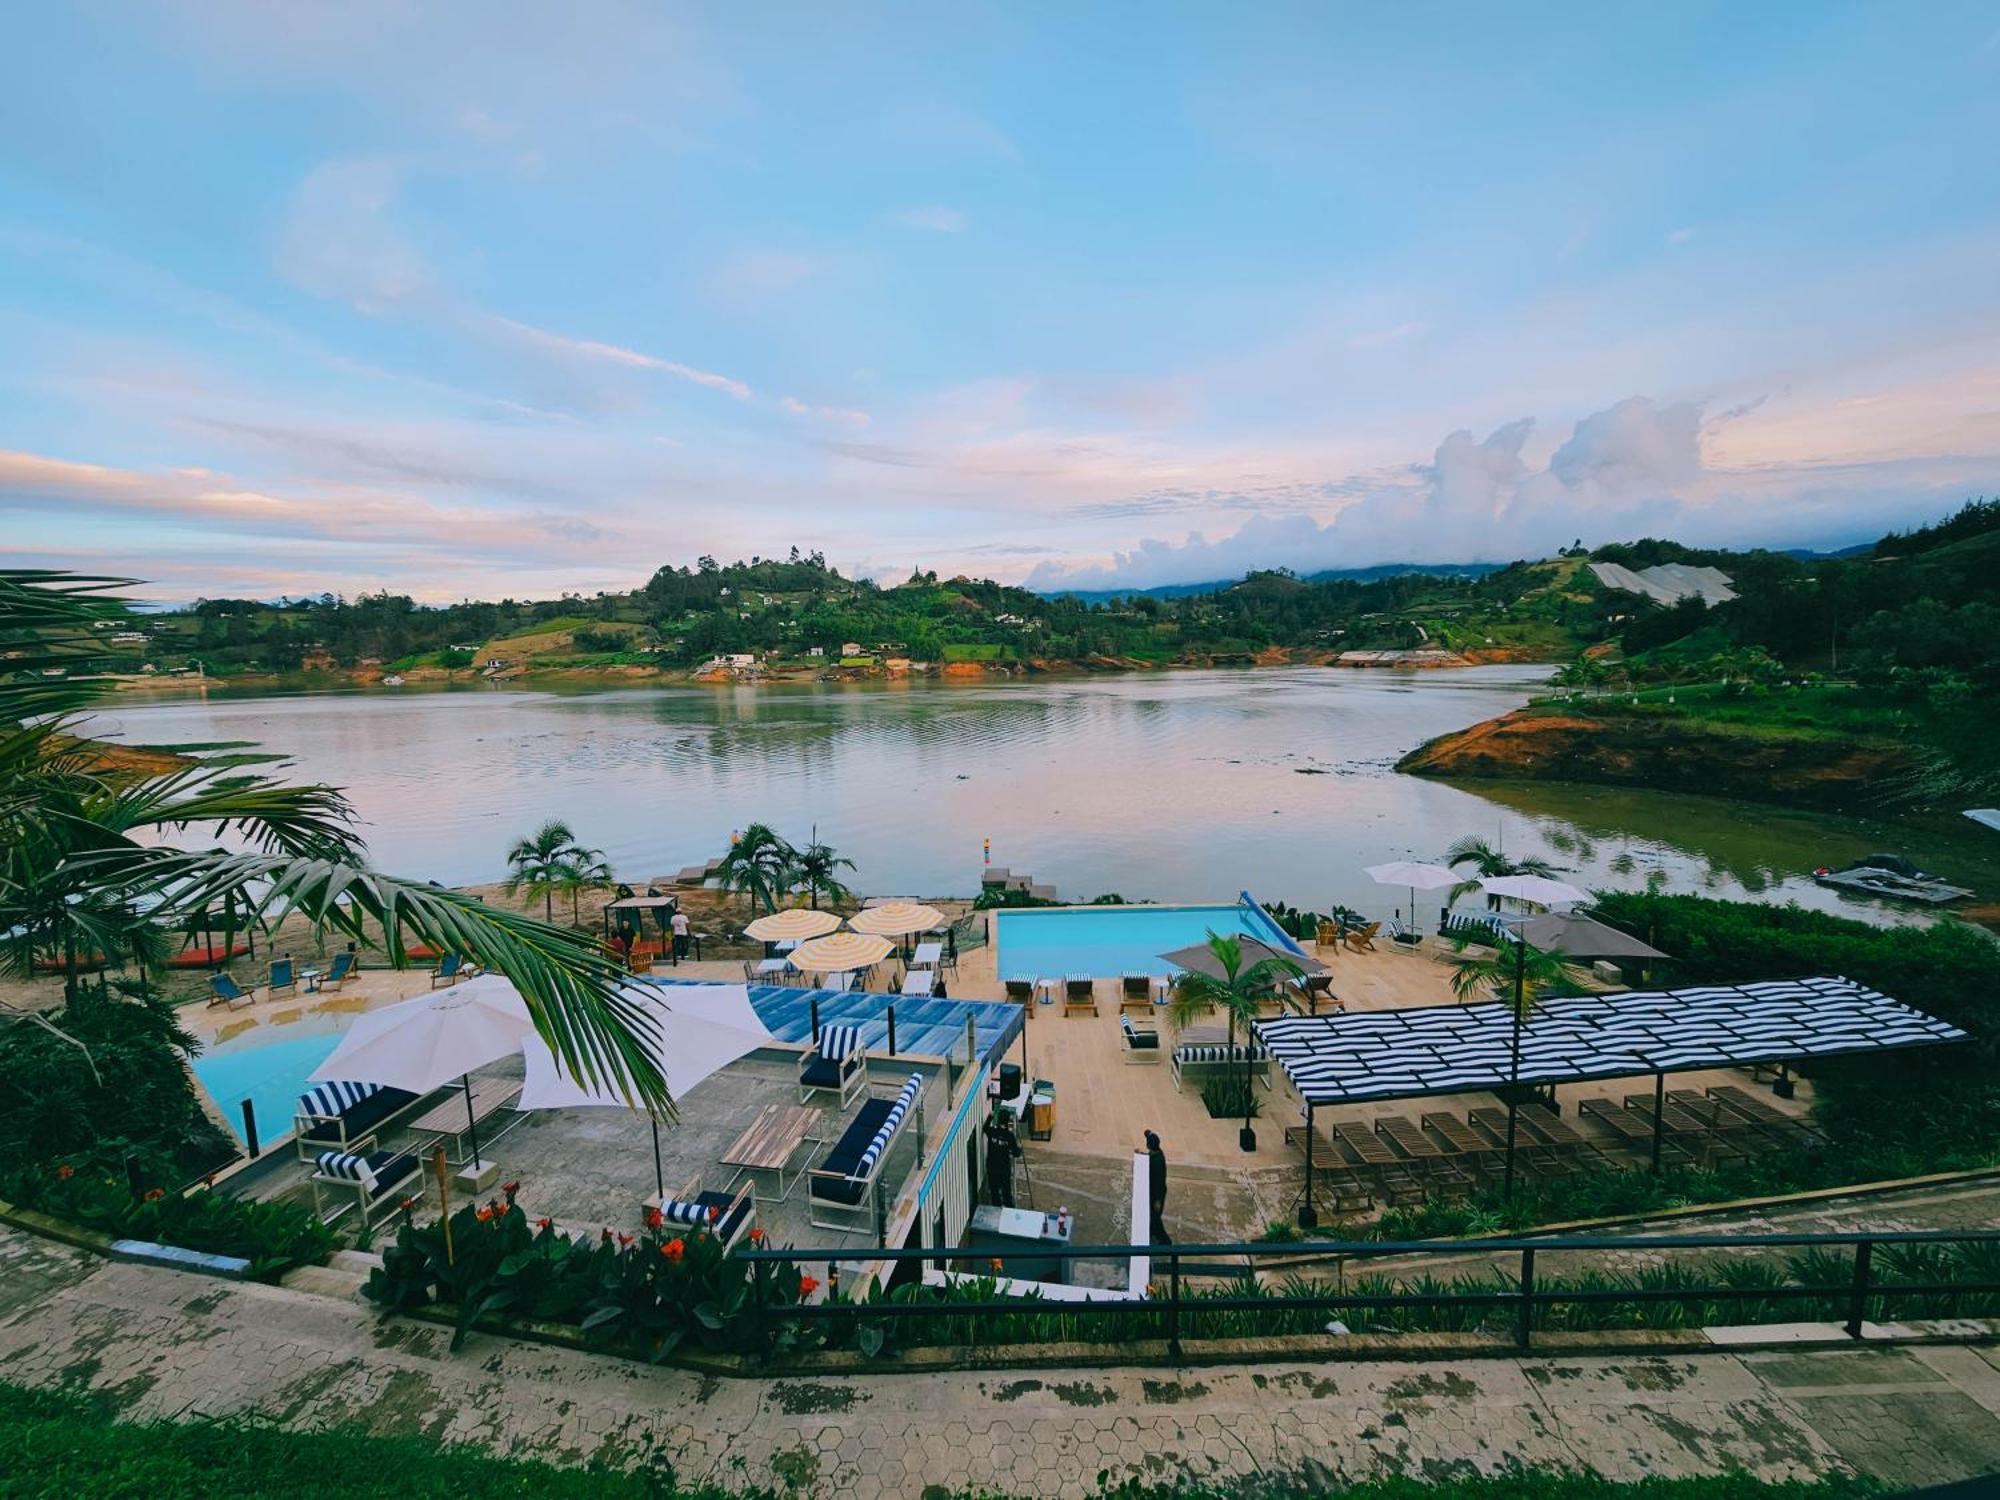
(227, 991)
(1327, 935)
(1023, 990)
(1079, 996)
(842, 1190)
(284, 976)
(1135, 992)
(449, 970)
(378, 1180)
(837, 1065)
(727, 1216)
(1362, 939)
(1142, 1044)
(338, 972)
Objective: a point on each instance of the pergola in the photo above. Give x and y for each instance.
(1422, 1051)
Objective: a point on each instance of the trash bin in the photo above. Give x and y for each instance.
(1010, 1080)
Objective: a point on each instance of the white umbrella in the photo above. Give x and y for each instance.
(699, 1029)
(1417, 877)
(425, 1043)
(792, 926)
(1536, 890)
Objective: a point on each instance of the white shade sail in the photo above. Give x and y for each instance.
(792, 926)
(433, 1040)
(1537, 890)
(838, 952)
(701, 1029)
(897, 918)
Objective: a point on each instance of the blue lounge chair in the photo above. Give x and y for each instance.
(344, 1116)
(379, 1181)
(228, 992)
(284, 976)
(838, 1065)
(448, 970)
(339, 971)
(844, 1188)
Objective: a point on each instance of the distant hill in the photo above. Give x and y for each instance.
(1325, 575)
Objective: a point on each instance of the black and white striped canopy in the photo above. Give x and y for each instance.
(1449, 1049)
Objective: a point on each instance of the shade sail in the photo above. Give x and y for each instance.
(701, 1028)
(1201, 958)
(839, 952)
(435, 1039)
(1450, 1049)
(1538, 890)
(897, 919)
(792, 926)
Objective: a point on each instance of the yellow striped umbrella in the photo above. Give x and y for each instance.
(841, 952)
(792, 926)
(897, 919)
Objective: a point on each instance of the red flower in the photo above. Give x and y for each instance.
(154, 1195)
(65, 1172)
(627, 1239)
(607, 1234)
(807, 1286)
(208, 1180)
(714, 1213)
(510, 1189)
(995, 1263)
(756, 1235)
(407, 1204)
(483, 1215)
(654, 1218)
(543, 1223)
(673, 1250)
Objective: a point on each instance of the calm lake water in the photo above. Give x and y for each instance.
(1174, 787)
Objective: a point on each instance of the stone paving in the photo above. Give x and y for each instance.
(168, 1344)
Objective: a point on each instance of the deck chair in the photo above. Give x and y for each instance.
(837, 1065)
(1079, 995)
(727, 1216)
(379, 1181)
(1135, 992)
(228, 992)
(284, 976)
(339, 971)
(449, 970)
(1022, 990)
(1142, 1044)
(1362, 939)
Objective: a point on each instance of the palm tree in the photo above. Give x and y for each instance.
(1237, 993)
(582, 870)
(815, 872)
(1489, 863)
(759, 864)
(102, 844)
(537, 862)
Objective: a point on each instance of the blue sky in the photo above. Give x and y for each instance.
(495, 299)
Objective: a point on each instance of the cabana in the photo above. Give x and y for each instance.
(1425, 1051)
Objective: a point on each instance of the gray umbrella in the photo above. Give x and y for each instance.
(1583, 937)
(1201, 958)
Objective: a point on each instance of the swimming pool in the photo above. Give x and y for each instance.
(270, 1072)
(1106, 941)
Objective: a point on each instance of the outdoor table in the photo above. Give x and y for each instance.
(772, 966)
(311, 977)
(919, 982)
(771, 1141)
(448, 1118)
(928, 956)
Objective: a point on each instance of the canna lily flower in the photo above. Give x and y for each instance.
(544, 1223)
(756, 1235)
(65, 1172)
(808, 1285)
(154, 1195)
(654, 1218)
(627, 1240)
(673, 1250)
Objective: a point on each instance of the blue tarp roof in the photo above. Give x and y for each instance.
(926, 1027)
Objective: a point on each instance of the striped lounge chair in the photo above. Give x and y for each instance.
(837, 1065)
(1207, 1059)
(844, 1189)
(344, 1116)
(378, 1181)
(728, 1216)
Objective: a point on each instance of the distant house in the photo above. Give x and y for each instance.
(1007, 620)
(850, 648)
(739, 659)
(815, 651)
(129, 638)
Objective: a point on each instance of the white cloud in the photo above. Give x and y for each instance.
(932, 219)
(339, 242)
(615, 354)
(1680, 236)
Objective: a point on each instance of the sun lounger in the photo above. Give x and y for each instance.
(1141, 992)
(727, 1216)
(842, 1191)
(1079, 995)
(928, 956)
(450, 969)
(838, 1065)
(1022, 990)
(284, 976)
(344, 1116)
(228, 992)
(378, 1180)
(338, 972)
(1142, 1044)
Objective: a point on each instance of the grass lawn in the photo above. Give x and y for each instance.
(64, 1443)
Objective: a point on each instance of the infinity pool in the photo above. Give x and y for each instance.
(1107, 941)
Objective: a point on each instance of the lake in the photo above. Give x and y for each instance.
(1176, 786)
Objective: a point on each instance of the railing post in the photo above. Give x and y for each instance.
(1857, 1304)
(250, 1127)
(1524, 1328)
(1174, 1307)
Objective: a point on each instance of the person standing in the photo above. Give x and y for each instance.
(1156, 1168)
(1002, 1146)
(682, 934)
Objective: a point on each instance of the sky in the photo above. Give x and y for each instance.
(495, 300)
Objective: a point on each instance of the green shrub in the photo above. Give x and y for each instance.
(1230, 1097)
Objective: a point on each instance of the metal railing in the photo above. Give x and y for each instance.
(1162, 1314)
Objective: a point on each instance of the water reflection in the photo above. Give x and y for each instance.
(1184, 786)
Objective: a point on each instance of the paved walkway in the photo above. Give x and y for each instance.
(168, 1344)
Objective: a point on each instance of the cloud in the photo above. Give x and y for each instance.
(933, 219)
(592, 351)
(1680, 236)
(843, 414)
(339, 242)
(761, 273)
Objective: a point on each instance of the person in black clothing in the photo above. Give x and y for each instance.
(1002, 1147)
(1156, 1161)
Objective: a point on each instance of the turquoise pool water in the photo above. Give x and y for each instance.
(1107, 941)
(271, 1073)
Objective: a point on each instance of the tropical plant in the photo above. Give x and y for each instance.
(817, 872)
(538, 863)
(583, 870)
(71, 819)
(1488, 863)
(760, 865)
(1491, 974)
(1238, 993)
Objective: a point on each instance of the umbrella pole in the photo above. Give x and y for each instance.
(1308, 1215)
(659, 1176)
(471, 1122)
(1514, 1064)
